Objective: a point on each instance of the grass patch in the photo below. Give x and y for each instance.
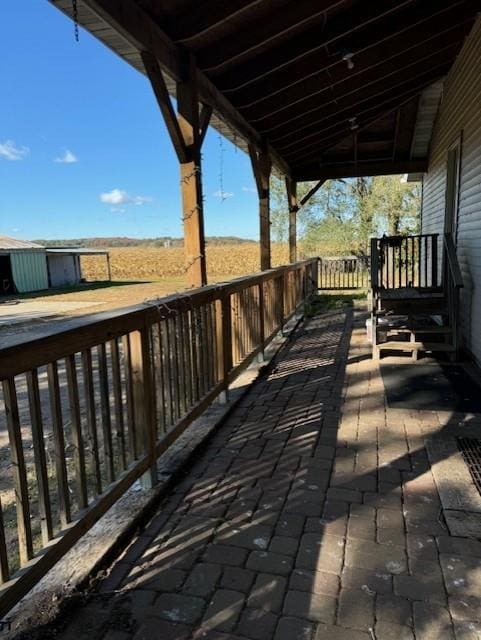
(332, 301)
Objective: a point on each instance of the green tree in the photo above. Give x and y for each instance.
(342, 216)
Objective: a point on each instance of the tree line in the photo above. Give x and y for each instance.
(344, 214)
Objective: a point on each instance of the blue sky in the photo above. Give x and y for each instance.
(83, 147)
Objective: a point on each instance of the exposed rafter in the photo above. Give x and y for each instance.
(352, 169)
(394, 36)
(327, 83)
(139, 29)
(296, 102)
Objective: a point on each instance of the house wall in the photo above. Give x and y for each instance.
(63, 270)
(29, 270)
(460, 115)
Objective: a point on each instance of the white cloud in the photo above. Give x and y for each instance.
(249, 189)
(67, 158)
(117, 209)
(10, 151)
(121, 197)
(223, 195)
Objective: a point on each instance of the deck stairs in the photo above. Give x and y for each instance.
(414, 310)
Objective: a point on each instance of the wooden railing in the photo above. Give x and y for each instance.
(343, 273)
(89, 409)
(405, 261)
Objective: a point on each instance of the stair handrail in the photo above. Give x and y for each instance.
(453, 282)
(452, 261)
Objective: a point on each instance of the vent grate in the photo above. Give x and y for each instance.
(470, 449)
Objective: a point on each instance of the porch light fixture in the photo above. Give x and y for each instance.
(348, 58)
(353, 124)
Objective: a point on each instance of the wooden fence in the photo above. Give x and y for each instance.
(343, 273)
(88, 410)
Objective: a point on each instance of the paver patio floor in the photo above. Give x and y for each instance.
(312, 514)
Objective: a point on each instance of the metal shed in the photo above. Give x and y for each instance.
(23, 266)
(64, 267)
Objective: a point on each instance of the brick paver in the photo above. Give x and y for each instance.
(312, 515)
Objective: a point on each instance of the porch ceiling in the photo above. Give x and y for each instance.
(330, 87)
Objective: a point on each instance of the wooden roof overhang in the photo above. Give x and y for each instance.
(330, 88)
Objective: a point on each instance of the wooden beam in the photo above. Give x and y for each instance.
(340, 82)
(259, 34)
(142, 32)
(332, 134)
(313, 191)
(346, 107)
(291, 188)
(191, 180)
(406, 124)
(308, 41)
(370, 46)
(353, 170)
(152, 69)
(204, 119)
(261, 167)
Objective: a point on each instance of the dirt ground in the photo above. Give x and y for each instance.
(23, 313)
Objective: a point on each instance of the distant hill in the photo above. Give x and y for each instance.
(116, 241)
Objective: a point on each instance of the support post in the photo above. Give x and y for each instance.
(261, 166)
(109, 269)
(291, 188)
(187, 130)
(144, 411)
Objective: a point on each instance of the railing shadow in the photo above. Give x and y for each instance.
(247, 538)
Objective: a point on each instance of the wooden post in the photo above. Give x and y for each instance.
(261, 166)
(291, 188)
(187, 131)
(142, 391)
(109, 270)
(191, 182)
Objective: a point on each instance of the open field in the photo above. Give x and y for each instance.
(139, 274)
(145, 263)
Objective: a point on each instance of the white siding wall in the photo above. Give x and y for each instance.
(460, 114)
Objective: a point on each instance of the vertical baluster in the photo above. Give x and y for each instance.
(434, 267)
(399, 257)
(167, 375)
(91, 417)
(426, 261)
(211, 346)
(39, 455)
(4, 570)
(105, 413)
(19, 471)
(194, 355)
(200, 350)
(131, 430)
(59, 444)
(76, 422)
(412, 262)
(175, 366)
(186, 363)
(159, 378)
(393, 266)
(118, 407)
(262, 319)
(179, 357)
(419, 239)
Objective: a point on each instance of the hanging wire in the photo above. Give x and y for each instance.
(221, 169)
(75, 20)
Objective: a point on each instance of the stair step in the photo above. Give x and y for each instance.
(401, 345)
(432, 330)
